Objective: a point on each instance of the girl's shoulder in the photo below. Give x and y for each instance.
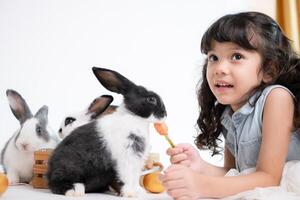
(277, 89)
(271, 93)
(274, 92)
(255, 106)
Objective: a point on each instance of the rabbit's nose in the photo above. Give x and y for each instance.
(60, 133)
(25, 146)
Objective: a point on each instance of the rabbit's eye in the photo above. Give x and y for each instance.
(38, 130)
(152, 100)
(69, 120)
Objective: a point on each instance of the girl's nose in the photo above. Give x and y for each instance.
(222, 68)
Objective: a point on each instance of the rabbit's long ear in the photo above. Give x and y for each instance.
(42, 115)
(99, 105)
(18, 106)
(113, 81)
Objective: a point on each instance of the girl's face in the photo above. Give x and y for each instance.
(232, 73)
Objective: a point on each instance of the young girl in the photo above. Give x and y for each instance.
(250, 93)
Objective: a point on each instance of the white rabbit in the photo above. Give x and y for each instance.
(98, 107)
(33, 134)
(110, 151)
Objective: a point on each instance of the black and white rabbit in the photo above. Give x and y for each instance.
(111, 151)
(33, 134)
(98, 107)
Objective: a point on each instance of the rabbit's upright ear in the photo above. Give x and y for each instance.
(18, 106)
(42, 115)
(99, 105)
(113, 81)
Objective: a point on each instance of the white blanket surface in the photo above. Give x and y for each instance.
(27, 192)
(289, 188)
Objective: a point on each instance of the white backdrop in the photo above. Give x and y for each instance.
(48, 47)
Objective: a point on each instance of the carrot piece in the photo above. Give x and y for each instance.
(3, 183)
(161, 128)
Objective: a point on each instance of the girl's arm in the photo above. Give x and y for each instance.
(212, 170)
(181, 181)
(187, 155)
(276, 134)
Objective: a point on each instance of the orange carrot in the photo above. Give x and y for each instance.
(3, 183)
(162, 129)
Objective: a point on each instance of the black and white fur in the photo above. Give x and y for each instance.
(111, 151)
(98, 107)
(33, 134)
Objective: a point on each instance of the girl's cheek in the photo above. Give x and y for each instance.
(209, 82)
(209, 76)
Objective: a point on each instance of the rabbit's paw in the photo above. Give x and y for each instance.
(13, 178)
(128, 192)
(79, 190)
(141, 191)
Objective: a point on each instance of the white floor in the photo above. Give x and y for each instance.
(26, 192)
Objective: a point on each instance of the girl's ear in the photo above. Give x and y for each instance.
(270, 72)
(267, 78)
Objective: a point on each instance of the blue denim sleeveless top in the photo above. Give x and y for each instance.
(242, 131)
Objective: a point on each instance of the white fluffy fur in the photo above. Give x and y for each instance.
(79, 190)
(81, 118)
(19, 162)
(115, 129)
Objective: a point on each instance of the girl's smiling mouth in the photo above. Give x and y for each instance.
(221, 85)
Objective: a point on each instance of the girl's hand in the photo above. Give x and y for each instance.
(187, 155)
(183, 183)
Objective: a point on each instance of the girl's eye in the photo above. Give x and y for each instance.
(237, 56)
(212, 58)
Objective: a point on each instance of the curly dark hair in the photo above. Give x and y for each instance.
(251, 31)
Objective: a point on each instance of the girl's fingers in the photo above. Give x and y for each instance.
(178, 149)
(179, 193)
(174, 151)
(174, 184)
(173, 172)
(176, 159)
(186, 163)
(174, 167)
(171, 176)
